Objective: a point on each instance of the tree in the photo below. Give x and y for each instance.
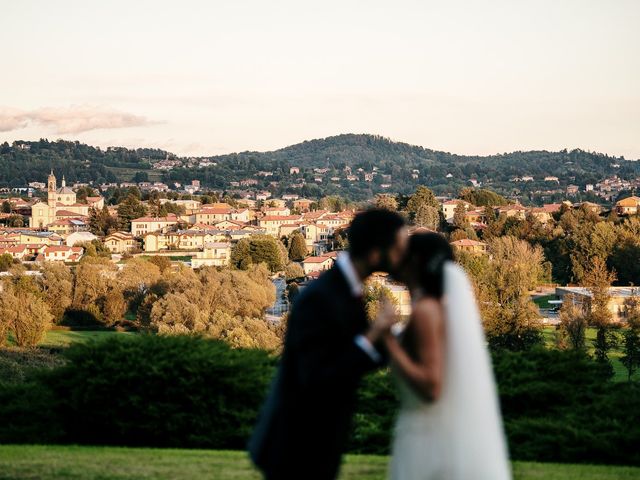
(510, 317)
(631, 343)
(482, 197)
(458, 235)
(573, 325)
(101, 222)
(135, 280)
(257, 249)
(24, 312)
(57, 288)
(6, 260)
(421, 198)
(427, 216)
(597, 280)
(375, 294)
(297, 247)
(163, 263)
(386, 202)
(130, 209)
(339, 239)
(293, 270)
(6, 207)
(83, 192)
(333, 203)
(141, 176)
(460, 216)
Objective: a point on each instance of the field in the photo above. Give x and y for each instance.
(64, 338)
(113, 463)
(127, 174)
(620, 373)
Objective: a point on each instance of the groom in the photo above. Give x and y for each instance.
(329, 346)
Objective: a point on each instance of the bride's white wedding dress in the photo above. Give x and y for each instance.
(460, 436)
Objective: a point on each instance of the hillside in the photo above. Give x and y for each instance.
(395, 161)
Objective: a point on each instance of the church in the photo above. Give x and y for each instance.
(61, 204)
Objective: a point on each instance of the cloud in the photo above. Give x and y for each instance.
(11, 119)
(73, 119)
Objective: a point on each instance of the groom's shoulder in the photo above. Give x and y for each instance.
(325, 284)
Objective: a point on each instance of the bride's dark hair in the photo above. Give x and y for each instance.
(426, 257)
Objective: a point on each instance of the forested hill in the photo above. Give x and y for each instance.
(23, 161)
(28, 161)
(367, 151)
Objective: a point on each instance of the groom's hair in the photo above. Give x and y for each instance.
(373, 228)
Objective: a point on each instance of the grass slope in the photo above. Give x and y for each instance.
(620, 372)
(18, 462)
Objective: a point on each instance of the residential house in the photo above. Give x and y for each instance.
(60, 253)
(472, 246)
(316, 264)
(143, 225)
(271, 223)
(449, 208)
(121, 242)
(628, 206)
(213, 254)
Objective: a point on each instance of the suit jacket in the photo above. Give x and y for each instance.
(305, 422)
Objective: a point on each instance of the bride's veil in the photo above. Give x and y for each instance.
(476, 440)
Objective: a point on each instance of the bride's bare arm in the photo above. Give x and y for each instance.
(426, 373)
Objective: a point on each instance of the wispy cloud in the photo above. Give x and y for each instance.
(73, 119)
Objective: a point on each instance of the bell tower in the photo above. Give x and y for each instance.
(51, 190)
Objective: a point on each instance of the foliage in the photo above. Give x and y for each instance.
(101, 222)
(223, 304)
(23, 312)
(631, 342)
(6, 260)
(573, 325)
(297, 247)
(598, 279)
(257, 249)
(293, 270)
(481, 197)
(423, 197)
(375, 294)
(558, 406)
(159, 391)
(510, 317)
(460, 216)
(385, 201)
(427, 216)
(130, 209)
(56, 284)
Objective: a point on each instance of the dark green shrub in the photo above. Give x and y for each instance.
(27, 414)
(375, 415)
(150, 390)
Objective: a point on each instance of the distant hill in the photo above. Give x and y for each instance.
(395, 161)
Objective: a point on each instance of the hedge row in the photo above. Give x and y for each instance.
(182, 391)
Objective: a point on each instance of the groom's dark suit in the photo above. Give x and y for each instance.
(304, 425)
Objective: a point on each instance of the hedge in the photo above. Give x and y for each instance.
(183, 391)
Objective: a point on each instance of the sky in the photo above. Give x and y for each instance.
(213, 77)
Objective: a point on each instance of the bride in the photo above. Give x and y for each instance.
(449, 425)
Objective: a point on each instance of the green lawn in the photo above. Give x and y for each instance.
(63, 338)
(111, 463)
(620, 373)
(543, 301)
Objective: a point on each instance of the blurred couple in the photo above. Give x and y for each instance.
(449, 424)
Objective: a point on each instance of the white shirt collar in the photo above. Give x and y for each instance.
(345, 265)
